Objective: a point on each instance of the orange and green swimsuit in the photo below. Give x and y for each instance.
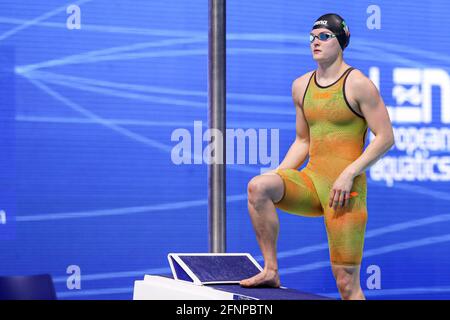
(337, 135)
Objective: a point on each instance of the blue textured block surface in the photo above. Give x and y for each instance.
(181, 274)
(220, 268)
(263, 293)
(268, 293)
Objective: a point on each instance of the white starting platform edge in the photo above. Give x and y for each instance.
(161, 288)
(206, 276)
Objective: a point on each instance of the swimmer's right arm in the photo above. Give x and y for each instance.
(299, 149)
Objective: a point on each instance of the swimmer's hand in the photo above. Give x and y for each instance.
(340, 193)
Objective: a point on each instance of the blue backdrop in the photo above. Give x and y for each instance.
(92, 91)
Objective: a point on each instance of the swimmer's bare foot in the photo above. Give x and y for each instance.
(266, 278)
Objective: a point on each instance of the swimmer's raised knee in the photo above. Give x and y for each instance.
(265, 187)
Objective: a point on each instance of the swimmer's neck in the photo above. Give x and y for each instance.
(331, 69)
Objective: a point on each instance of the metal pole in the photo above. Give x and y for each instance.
(217, 120)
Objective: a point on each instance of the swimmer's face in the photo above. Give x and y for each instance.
(327, 50)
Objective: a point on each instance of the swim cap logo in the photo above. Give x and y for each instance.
(324, 22)
(345, 28)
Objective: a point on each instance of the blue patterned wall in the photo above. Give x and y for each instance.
(92, 91)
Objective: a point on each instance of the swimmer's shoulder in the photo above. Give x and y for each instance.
(299, 86)
(358, 82)
(356, 76)
(357, 85)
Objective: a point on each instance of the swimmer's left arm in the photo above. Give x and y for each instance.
(366, 95)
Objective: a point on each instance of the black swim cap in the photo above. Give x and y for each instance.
(335, 24)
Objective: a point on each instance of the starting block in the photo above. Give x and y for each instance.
(217, 268)
(211, 276)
